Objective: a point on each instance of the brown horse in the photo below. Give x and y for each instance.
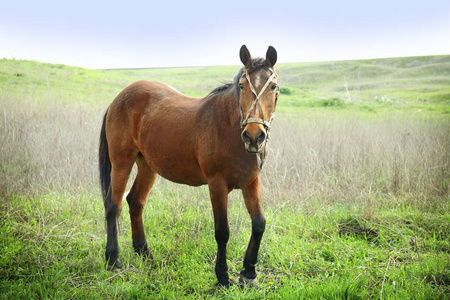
(219, 140)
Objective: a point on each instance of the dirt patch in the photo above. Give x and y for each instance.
(353, 228)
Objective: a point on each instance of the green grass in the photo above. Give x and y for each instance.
(52, 247)
(410, 83)
(355, 189)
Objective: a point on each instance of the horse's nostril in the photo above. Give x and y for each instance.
(260, 137)
(246, 138)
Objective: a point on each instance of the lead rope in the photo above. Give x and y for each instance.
(260, 160)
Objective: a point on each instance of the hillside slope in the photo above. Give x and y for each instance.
(418, 83)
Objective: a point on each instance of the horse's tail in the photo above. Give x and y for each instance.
(104, 161)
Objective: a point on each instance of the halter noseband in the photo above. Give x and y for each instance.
(262, 121)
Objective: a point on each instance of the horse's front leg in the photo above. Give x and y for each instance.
(252, 197)
(218, 191)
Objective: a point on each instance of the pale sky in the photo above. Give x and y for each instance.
(138, 34)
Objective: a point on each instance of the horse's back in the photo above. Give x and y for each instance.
(141, 94)
(151, 101)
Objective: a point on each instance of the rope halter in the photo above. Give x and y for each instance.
(256, 103)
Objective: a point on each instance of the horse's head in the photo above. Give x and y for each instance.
(258, 97)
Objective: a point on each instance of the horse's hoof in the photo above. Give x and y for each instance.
(247, 282)
(227, 285)
(143, 251)
(117, 266)
(147, 255)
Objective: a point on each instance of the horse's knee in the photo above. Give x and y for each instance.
(222, 234)
(258, 225)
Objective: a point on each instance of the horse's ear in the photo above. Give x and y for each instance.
(271, 56)
(245, 56)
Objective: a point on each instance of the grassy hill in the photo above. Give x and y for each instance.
(394, 83)
(356, 188)
(410, 83)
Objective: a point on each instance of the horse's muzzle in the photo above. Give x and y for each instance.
(253, 143)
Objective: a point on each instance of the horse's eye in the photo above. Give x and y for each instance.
(241, 87)
(273, 87)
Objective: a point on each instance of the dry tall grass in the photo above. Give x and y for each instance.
(348, 158)
(48, 147)
(333, 157)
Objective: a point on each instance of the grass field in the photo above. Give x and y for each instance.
(355, 189)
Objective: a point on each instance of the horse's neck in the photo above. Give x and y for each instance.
(225, 110)
(222, 120)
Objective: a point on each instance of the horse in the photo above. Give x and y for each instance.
(220, 140)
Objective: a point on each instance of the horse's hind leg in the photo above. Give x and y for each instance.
(136, 199)
(120, 172)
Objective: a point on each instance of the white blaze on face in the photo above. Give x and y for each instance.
(257, 81)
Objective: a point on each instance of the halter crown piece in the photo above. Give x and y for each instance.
(247, 119)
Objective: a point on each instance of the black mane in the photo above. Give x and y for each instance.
(256, 64)
(222, 88)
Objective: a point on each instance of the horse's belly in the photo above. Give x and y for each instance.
(177, 168)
